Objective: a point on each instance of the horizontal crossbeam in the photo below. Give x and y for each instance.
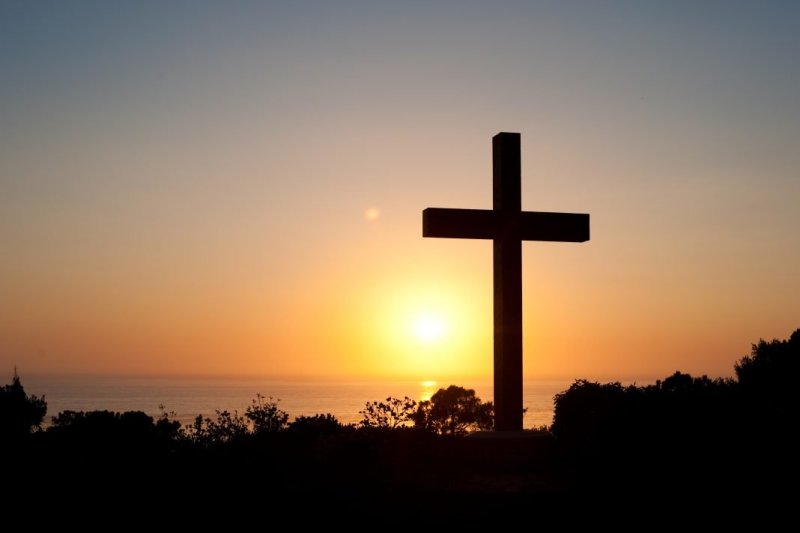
(489, 224)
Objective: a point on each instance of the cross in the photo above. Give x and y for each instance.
(507, 225)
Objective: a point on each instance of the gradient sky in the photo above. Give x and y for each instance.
(195, 188)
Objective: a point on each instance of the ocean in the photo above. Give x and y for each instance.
(189, 396)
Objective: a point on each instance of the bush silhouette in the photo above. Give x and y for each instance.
(266, 416)
(262, 416)
(225, 428)
(316, 425)
(107, 433)
(587, 410)
(391, 414)
(454, 411)
(167, 427)
(19, 413)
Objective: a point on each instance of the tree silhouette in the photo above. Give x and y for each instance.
(19, 413)
(768, 379)
(454, 411)
(770, 365)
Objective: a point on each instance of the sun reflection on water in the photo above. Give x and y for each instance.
(427, 388)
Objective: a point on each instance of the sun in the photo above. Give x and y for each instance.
(429, 328)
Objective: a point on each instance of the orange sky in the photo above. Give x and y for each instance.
(239, 191)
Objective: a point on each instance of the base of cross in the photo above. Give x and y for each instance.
(511, 453)
(506, 435)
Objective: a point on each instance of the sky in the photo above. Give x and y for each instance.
(236, 188)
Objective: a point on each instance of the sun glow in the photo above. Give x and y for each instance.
(429, 328)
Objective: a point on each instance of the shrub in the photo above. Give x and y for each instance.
(391, 414)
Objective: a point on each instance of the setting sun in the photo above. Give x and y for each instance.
(429, 328)
(423, 328)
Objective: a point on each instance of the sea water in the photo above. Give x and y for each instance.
(188, 397)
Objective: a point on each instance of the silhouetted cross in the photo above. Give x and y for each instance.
(507, 225)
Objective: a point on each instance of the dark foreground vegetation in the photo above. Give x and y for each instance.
(690, 444)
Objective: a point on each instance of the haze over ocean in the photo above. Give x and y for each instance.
(190, 396)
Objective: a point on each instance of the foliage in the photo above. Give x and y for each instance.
(266, 416)
(391, 414)
(586, 409)
(316, 425)
(593, 414)
(684, 435)
(167, 426)
(227, 427)
(129, 421)
(454, 411)
(261, 417)
(686, 407)
(19, 412)
(106, 432)
(767, 378)
(771, 365)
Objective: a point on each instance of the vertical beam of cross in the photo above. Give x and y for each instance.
(507, 282)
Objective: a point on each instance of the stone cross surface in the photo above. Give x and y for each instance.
(507, 225)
